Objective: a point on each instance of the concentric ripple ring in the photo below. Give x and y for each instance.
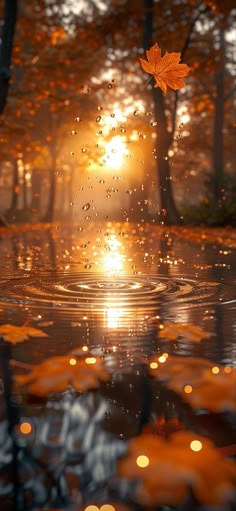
(92, 292)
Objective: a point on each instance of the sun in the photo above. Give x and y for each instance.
(115, 152)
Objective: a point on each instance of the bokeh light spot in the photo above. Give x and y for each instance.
(142, 461)
(196, 445)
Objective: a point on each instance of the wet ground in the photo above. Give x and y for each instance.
(110, 288)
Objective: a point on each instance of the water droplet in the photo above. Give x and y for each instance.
(84, 150)
(100, 132)
(109, 86)
(80, 229)
(88, 217)
(100, 108)
(137, 112)
(101, 181)
(86, 206)
(98, 118)
(73, 132)
(153, 123)
(71, 153)
(72, 203)
(165, 157)
(129, 192)
(122, 129)
(112, 115)
(77, 119)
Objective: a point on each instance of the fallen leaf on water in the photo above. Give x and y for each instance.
(173, 331)
(200, 382)
(56, 374)
(15, 334)
(168, 469)
(166, 70)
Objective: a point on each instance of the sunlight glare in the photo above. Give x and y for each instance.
(115, 152)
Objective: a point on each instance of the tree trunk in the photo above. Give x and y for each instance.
(169, 211)
(10, 16)
(48, 217)
(217, 150)
(15, 187)
(36, 190)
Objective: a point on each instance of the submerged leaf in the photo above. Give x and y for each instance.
(166, 470)
(200, 382)
(173, 331)
(15, 334)
(58, 373)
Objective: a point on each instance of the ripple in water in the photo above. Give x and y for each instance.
(91, 292)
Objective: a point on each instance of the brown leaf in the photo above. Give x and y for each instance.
(166, 70)
(173, 331)
(168, 469)
(58, 373)
(15, 334)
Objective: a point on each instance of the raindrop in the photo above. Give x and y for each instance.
(112, 115)
(77, 119)
(100, 108)
(136, 112)
(98, 118)
(87, 266)
(88, 217)
(84, 150)
(153, 123)
(129, 191)
(73, 132)
(100, 132)
(71, 153)
(165, 157)
(109, 86)
(80, 229)
(86, 206)
(72, 203)
(122, 129)
(102, 181)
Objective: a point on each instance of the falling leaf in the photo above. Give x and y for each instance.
(166, 470)
(15, 334)
(56, 374)
(175, 330)
(166, 70)
(200, 382)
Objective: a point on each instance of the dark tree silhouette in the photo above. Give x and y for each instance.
(8, 29)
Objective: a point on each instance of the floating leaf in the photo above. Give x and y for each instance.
(166, 70)
(173, 331)
(58, 373)
(168, 469)
(200, 382)
(15, 334)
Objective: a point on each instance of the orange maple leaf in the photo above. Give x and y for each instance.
(166, 70)
(15, 334)
(56, 374)
(165, 470)
(174, 331)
